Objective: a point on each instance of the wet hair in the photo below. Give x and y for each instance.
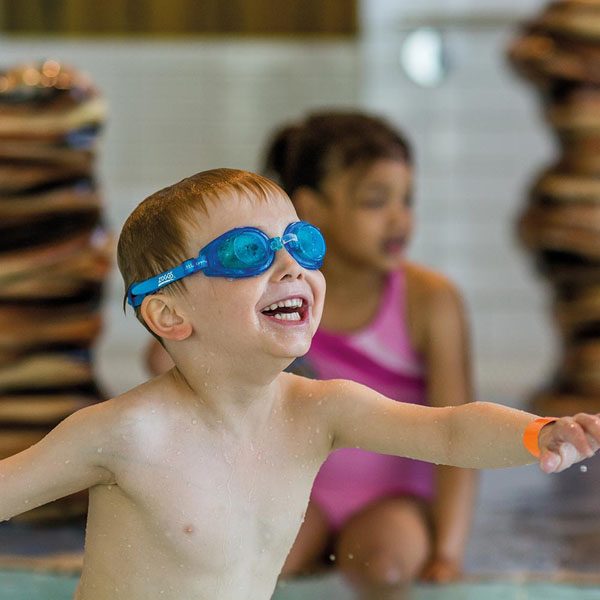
(155, 236)
(305, 153)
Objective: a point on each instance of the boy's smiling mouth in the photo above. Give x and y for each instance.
(291, 310)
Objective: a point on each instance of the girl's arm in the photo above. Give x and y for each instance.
(66, 461)
(444, 344)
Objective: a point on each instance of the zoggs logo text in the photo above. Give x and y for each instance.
(166, 278)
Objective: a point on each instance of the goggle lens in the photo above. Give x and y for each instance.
(309, 248)
(243, 250)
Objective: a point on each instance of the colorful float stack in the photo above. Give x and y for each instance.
(559, 52)
(55, 254)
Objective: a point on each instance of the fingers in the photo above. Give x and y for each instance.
(591, 426)
(569, 440)
(549, 461)
(569, 430)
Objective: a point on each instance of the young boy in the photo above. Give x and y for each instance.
(199, 478)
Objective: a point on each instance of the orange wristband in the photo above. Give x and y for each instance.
(532, 432)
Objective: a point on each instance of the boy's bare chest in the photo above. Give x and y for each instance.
(214, 504)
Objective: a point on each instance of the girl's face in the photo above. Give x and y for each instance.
(367, 218)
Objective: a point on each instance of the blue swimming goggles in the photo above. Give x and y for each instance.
(241, 252)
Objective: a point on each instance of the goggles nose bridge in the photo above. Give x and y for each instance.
(276, 243)
(287, 240)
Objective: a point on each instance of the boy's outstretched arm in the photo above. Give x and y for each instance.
(479, 435)
(65, 461)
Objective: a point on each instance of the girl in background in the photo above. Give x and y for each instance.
(387, 323)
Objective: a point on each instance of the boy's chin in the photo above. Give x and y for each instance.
(291, 352)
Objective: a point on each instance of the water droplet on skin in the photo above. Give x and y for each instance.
(350, 556)
(194, 421)
(67, 462)
(583, 469)
(109, 487)
(332, 557)
(99, 450)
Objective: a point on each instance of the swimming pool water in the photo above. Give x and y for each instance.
(20, 585)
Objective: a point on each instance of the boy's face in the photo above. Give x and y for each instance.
(232, 315)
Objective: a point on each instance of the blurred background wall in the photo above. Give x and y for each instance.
(190, 94)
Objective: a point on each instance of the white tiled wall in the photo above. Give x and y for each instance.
(180, 107)
(479, 141)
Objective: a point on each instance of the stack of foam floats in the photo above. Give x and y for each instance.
(54, 255)
(559, 52)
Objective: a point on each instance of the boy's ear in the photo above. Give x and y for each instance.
(309, 205)
(162, 317)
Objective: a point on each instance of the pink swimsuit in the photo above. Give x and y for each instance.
(381, 357)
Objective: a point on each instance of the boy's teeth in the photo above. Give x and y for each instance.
(289, 303)
(288, 316)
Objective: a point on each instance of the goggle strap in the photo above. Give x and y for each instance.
(154, 284)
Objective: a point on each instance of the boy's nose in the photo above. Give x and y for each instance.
(286, 266)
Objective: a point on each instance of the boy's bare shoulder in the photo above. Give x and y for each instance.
(315, 405)
(305, 394)
(125, 406)
(133, 418)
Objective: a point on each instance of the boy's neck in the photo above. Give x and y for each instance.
(226, 395)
